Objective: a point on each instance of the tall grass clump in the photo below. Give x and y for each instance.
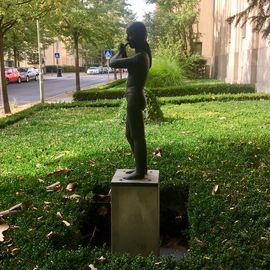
(171, 66)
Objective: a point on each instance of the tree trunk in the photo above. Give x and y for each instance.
(77, 67)
(15, 54)
(3, 84)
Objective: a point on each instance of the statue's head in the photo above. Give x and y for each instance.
(136, 34)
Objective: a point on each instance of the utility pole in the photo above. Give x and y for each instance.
(41, 83)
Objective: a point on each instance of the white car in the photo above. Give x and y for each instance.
(93, 70)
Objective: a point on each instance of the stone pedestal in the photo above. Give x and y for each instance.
(135, 214)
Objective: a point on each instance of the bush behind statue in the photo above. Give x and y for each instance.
(171, 65)
(152, 112)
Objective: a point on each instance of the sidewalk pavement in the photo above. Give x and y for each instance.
(67, 96)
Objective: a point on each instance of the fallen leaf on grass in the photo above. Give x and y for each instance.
(3, 227)
(66, 223)
(70, 187)
(92, 162)
(74, 197)
(12, 250)
(92, 267)
(262, 165)
(157, 152)
(199, 242)
(224, 241)
(47, 206)
(54, 187)
(41, 180)
(14, 209)
(101, 259)
(59, 215)
(51, 234)
(59, 171)
(2, 221)
(20, 193)
(59, 156)
(214, 190)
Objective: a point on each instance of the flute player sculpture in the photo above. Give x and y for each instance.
(138, 66)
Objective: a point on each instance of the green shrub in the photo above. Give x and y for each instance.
(152, 112)
(165, 72)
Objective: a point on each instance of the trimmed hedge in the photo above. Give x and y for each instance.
(53, 68)
(183, 90)
(209, 97)
(197, 89)
(96, 93)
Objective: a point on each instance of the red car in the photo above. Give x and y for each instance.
(12, 75)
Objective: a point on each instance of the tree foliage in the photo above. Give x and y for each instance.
(12, 14)
(174, 19)
(82, 22)
(257, 12)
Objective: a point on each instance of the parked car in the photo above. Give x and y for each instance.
(28, 73)
(12, 75)
(93, 70)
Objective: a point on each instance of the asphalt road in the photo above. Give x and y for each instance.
(55, 88)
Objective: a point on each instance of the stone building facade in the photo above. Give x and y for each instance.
(239, 55)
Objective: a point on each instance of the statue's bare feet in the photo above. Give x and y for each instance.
(130, 171)
(134, 176)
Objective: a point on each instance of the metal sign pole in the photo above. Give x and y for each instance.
(108, 55)
(41, 83)
(108, 69)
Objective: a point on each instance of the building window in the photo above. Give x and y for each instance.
(197, 48)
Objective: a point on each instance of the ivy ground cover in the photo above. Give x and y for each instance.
(219, 152)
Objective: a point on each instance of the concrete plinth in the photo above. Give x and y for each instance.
(135, 214)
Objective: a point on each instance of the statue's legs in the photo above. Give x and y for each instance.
(136, 137)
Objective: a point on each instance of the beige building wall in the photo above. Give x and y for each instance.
(239, 54)
(205, 27)
(66, 57)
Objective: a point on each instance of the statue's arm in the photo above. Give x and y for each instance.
(118, 62)
(120, 59)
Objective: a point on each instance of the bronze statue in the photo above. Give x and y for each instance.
(138, 66)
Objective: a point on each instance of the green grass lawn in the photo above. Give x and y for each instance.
(219, 152)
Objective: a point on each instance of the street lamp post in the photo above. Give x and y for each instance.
(41, 83)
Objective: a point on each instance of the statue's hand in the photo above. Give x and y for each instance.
(122, 50)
